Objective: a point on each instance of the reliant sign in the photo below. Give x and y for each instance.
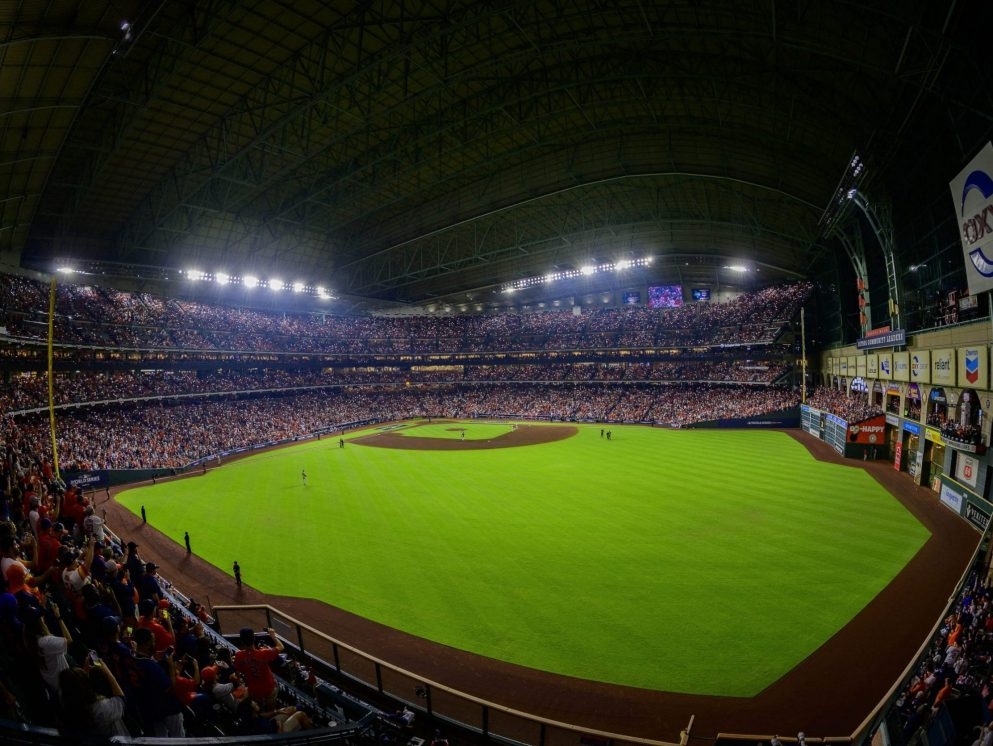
(943, 367)
(972, 193)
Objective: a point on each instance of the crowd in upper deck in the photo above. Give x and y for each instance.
(91, 316)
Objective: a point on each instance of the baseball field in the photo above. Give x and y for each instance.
(699, 562)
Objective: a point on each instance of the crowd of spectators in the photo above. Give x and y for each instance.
(957, 666)
(88, 316)
(156, 435)
(30, 391)
(94, 642)
(849, 407)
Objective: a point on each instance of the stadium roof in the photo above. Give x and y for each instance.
(410, 151)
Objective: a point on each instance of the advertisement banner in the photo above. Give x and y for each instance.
(843, 366)
(973, 365)
(897, 455)
(886, 366)
(920, 367)
(966, 469)
(978, 518)
(872, 366)
(86, 480)
(952, 498)
(895, 338)
(943, 367)
(901, 366)
(860, 367)
(870, 432)
(972, 194)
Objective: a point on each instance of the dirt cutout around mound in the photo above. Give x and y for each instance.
(827, 694)
(522, 435)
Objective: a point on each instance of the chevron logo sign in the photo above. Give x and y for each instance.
(972, 365)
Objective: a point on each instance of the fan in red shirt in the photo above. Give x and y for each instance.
(252, 662)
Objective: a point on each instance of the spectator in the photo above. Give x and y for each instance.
(252, 661)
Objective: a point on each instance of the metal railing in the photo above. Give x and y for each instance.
(431, 698)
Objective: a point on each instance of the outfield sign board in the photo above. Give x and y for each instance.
(943, 367)
(870, 432)
(952, 498)
(972, 194)
(966, 469)
(872, 366)
(901, 366)
(978, 518)
(886, 366)
(920, 367)
(87, 480)
(893, 338)
(973, 367)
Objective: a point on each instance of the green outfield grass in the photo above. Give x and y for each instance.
(706, 562)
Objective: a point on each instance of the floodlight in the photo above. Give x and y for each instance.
(587, 269)
(276, 285)
(737, 268)
(250, 281)
(221, 278)
(623, 264)
(65, 270)
(298, 287)
(194, 274)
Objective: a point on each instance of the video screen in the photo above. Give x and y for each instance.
(631, 297)
(665, 296)
(701, 293)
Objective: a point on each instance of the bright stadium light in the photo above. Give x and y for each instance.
(276, 285)
(298, 287)
(194, 274)
(66, 270)
(221, 278)
(737, 267)
(250, 281)
(584, 271)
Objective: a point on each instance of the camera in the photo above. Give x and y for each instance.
(93, 658)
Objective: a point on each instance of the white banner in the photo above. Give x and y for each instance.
(966, 469)
(972, 193)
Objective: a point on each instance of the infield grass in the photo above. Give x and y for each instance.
(704, 562)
